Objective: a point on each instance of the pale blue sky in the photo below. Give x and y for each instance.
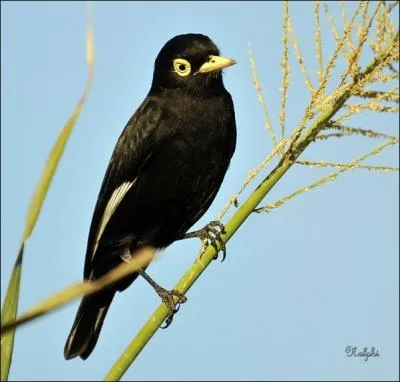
(298, 285)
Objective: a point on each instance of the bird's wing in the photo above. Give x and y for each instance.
(111, 206)
(131, 153)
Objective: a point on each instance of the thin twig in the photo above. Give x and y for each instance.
(285, 70)
(351, 166)
(256, 82)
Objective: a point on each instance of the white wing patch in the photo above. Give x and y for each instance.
(112, 205)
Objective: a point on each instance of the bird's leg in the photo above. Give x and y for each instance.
(210, 234)
(167, 297)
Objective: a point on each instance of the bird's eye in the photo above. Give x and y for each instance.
(182, 67)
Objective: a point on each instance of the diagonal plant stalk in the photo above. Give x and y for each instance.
(247, 208)
(85, 288)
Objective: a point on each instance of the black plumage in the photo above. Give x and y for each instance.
(164, 173)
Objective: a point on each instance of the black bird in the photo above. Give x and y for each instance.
(164, 173)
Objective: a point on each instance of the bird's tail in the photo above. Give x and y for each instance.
(87, 325)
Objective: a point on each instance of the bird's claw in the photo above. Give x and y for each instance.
(167, 297)
(211, 235)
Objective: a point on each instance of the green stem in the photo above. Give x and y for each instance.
(8, 313)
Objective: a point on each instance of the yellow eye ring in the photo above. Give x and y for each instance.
(182, 67)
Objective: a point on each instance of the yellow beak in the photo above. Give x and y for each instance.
(216, 63)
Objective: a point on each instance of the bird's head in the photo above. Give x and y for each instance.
(189, 61)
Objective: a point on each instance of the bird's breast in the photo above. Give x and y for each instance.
(185, 170)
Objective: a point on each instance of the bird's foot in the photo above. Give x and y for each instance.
(211, 235)
(167, 297)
